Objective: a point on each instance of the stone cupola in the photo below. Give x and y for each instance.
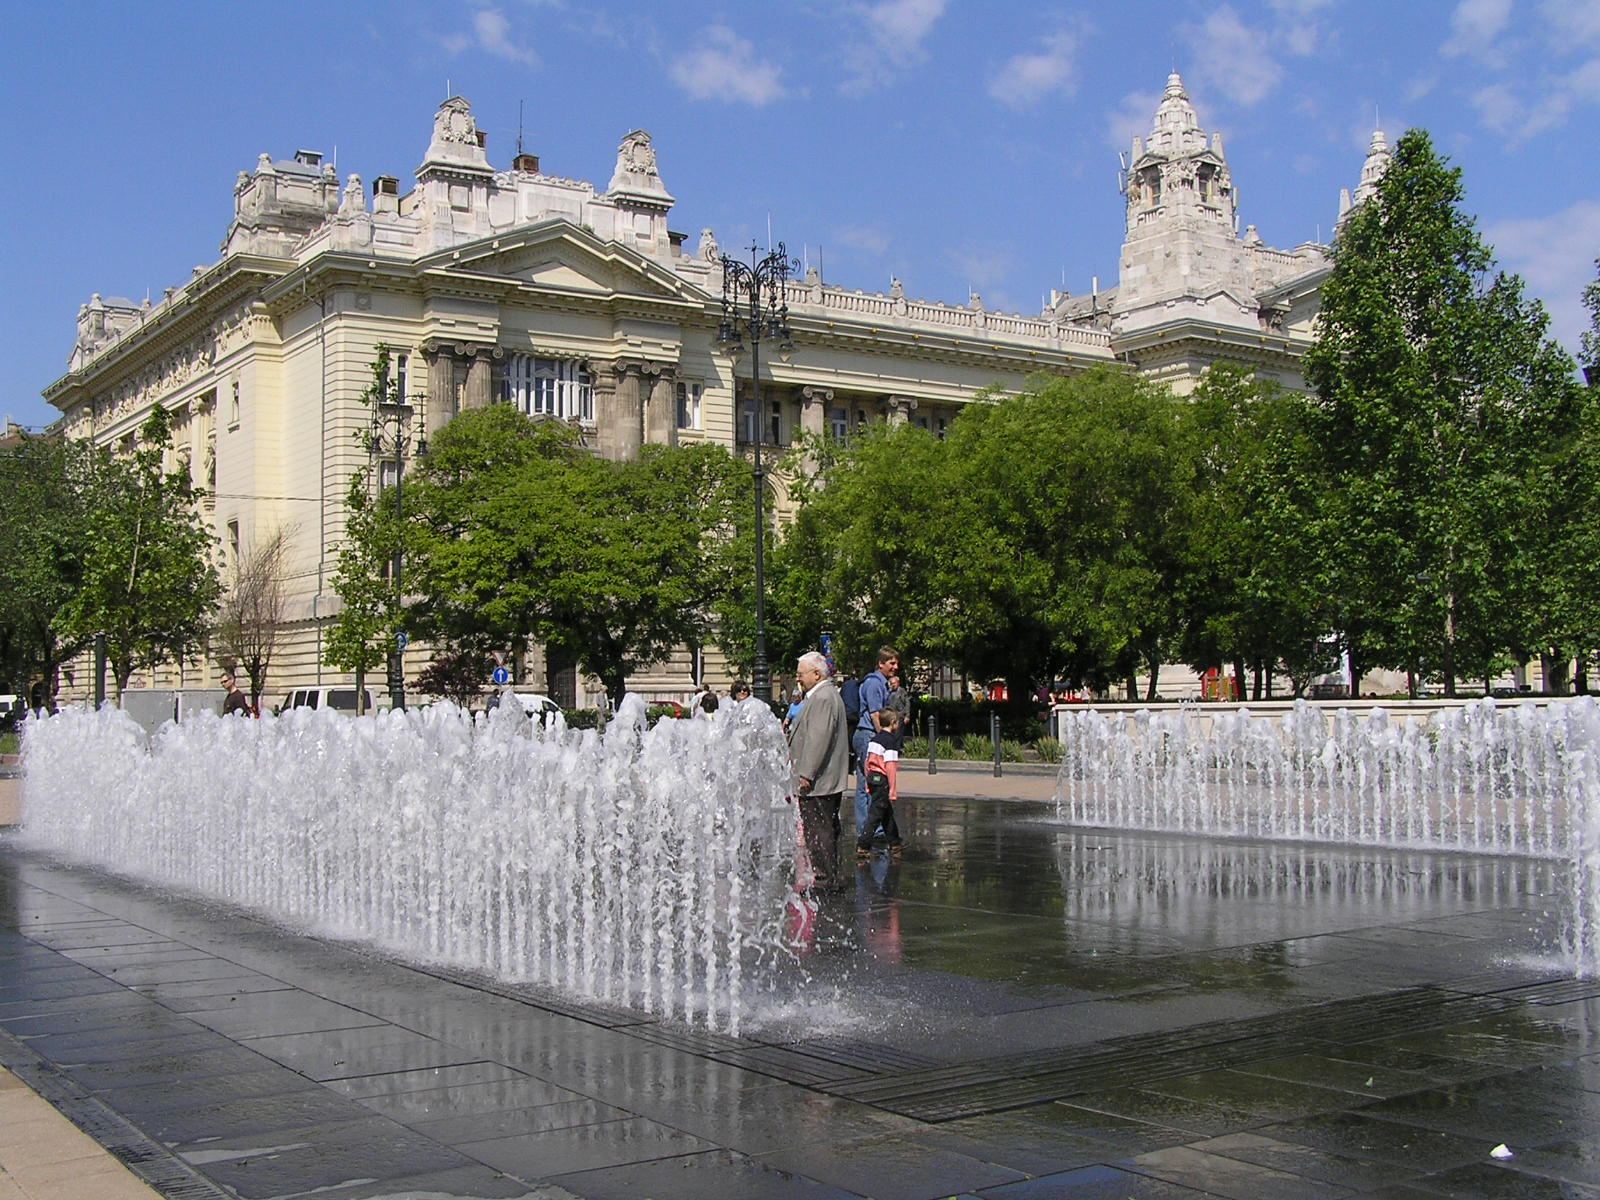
(1182, 214)
(1372, 170)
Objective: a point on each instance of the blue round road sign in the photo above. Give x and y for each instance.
(501, 675)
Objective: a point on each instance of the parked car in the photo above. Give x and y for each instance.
(339, 699)
(537, 706)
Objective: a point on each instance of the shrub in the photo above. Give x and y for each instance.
(977, 746)
(1012, 750)
(915, 747)
(1048, 749)
(581, 718)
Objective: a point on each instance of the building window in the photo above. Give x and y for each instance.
(839, 423)
(386, 473)
(689, 405)
(747, 420)
(939, 428)
(233, 405)
(401, 362)
(775, 428)
(550, 387)
(233, 545)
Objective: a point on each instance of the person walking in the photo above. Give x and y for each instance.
(874, 699)
(819, 749)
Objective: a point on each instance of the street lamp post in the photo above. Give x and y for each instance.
(755, 301)
(390, 436)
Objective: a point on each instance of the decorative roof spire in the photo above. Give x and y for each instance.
(1373, 169)
(1176, 129)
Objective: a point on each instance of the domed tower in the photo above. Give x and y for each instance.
(1182, 217)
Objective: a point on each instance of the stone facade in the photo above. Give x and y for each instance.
(515, 285)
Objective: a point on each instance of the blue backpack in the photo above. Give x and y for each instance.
(850, 693)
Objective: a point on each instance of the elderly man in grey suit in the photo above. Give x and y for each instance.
(819, 748)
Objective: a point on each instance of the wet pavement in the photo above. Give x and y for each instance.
(1019, 1009)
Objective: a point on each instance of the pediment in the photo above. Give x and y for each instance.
(560, 257)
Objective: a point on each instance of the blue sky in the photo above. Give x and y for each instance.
(958, 145)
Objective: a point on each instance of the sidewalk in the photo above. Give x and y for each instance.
(43, 1156)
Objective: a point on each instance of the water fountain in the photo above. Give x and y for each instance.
(644, 868)
(1486, 778)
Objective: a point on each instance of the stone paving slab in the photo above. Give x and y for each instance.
(1023, 1010)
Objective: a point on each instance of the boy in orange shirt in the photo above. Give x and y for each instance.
(883, 785)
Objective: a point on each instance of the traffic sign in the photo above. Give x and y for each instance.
(501, 675)
(401, 640)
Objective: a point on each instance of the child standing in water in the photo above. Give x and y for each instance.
(883, 769)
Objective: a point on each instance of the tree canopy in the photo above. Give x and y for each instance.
(1437, 394)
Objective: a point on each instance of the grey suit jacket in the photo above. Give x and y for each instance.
(819, 741)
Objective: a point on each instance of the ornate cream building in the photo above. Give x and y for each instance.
(516, 285)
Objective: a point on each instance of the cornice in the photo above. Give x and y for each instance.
(173, 323)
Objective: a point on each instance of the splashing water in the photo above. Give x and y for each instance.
(1486, 778)
(642, 868)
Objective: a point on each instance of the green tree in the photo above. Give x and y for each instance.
(1041, 539)
(1437, 392)
(515, 534)
(1251, 596)
(45, 527)
(149, 583)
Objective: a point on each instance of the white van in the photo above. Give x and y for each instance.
(339, 699)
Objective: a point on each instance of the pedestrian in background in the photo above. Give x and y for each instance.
(235, 702)
(874, 699)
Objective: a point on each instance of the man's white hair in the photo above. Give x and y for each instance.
(815, 660)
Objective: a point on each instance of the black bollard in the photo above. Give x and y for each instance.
(933, 745)
(994, 736)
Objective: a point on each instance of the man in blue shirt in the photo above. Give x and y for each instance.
(874, 699)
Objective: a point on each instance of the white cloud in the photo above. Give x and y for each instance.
(1297, 30)
(865, 237)
(491, 33)
(1555, 254)
(1520, 116)
(1572, 21)
(1233, 59)
(1475, 29)
(725, 67)
(1132, 118)
(1025, 79)
(889, 37)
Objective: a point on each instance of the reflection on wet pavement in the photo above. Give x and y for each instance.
(1017, 1008)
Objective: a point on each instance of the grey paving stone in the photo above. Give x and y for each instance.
(364, 1050)
(1357, 1174)
(1093, 1183)
(1486, 1181)
(513, 1122)
(583, 1148)
(401, 1082)
(463, 1098)
(890, 1168)
(714, 1175)
(1234, 1178)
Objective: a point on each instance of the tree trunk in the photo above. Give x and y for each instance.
(1580, 674)
(1411, 682)
(1355, 670)
(1133, 688)
(1155, 672)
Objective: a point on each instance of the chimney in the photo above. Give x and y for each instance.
(386, 194)
(483, 138)
(526, 163)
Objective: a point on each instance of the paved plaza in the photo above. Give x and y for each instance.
(1020, 1009)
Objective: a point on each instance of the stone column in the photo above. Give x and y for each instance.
(901, 408)
(442, 400)
(814, 402)
(661, 410)
(479, 389)
(619, 418)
